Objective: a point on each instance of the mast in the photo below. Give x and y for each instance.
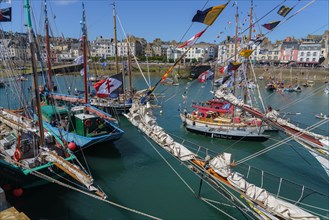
(84, 50)
(115, 39)
(129, 69)
(34, 70)
(248, 47)
(235, 48)
(50, 82)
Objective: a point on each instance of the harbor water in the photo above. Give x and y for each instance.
(144, 179)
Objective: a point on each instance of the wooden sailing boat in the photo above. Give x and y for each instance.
(30, 154)
(223, 175)
(123, 102)
(218, 119)
(77, 122)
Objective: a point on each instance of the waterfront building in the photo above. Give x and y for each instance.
(289, 50)
(309, 53)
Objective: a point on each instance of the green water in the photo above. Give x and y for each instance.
(134, 175)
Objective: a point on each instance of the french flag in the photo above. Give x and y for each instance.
(191, 41)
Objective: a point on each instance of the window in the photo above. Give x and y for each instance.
(307, 59)
(301, 59)
(315, 53)
(302, 53)
(308, 54)
(313, 59)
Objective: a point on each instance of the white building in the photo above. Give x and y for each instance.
(309, 53)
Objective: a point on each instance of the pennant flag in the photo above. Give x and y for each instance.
(78, 60)
(5, 14)
(209, 15)
(233, 66)
(271, 25)
(106, 86)
(208, 74)
(246, 53)
(191, 41)
(223, 69)
(284, 10)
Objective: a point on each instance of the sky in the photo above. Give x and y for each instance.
(167, 20)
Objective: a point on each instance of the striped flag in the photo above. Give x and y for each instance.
(191, 41)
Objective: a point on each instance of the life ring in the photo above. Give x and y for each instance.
(17, 155)
(87, 123)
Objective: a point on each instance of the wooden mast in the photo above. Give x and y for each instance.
(34, 71)
(84, 50)
(115, 39)
(50, 82)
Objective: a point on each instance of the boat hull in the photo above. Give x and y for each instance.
(82, 141)
(243, 135)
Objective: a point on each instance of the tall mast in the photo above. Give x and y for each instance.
(248, 47)
(115, 39)
(250, 20)
(235, 45)
(84, 50)
(34, 70)
(50, 82)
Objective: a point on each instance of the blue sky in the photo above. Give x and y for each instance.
(168, 20)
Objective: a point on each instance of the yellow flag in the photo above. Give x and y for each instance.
(246, 53)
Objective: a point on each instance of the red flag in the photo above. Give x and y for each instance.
(223, 69)
(191, 41)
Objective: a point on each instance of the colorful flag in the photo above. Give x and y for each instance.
(106, 86)
(5, 14)
(246, 53)
(233, 66)
(223, 69)
(271, 25)
(208, 74)
(284, 10)
(191, 41)
(209, 15)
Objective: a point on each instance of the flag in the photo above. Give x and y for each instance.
(209, 15)
(233, 66)
(284, 10)
(246, 53)
(5, 14)
(106, 86)
(223, 69)
(120, 89)
(208, 74)
(191, 41)
(271, 25)
(78, 60)
(82, 71)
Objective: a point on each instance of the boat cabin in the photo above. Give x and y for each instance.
(78, 120)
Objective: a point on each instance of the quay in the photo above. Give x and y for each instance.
(8, 212)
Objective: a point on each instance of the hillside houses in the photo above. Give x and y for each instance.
(302, 52)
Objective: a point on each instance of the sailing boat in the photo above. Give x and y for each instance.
(30, 154)
(103, 99)
(219, 172)
(218, 119)
(76, 121)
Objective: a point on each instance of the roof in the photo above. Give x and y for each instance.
(49, 110)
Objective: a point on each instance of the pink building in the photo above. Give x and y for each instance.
(289, 50)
